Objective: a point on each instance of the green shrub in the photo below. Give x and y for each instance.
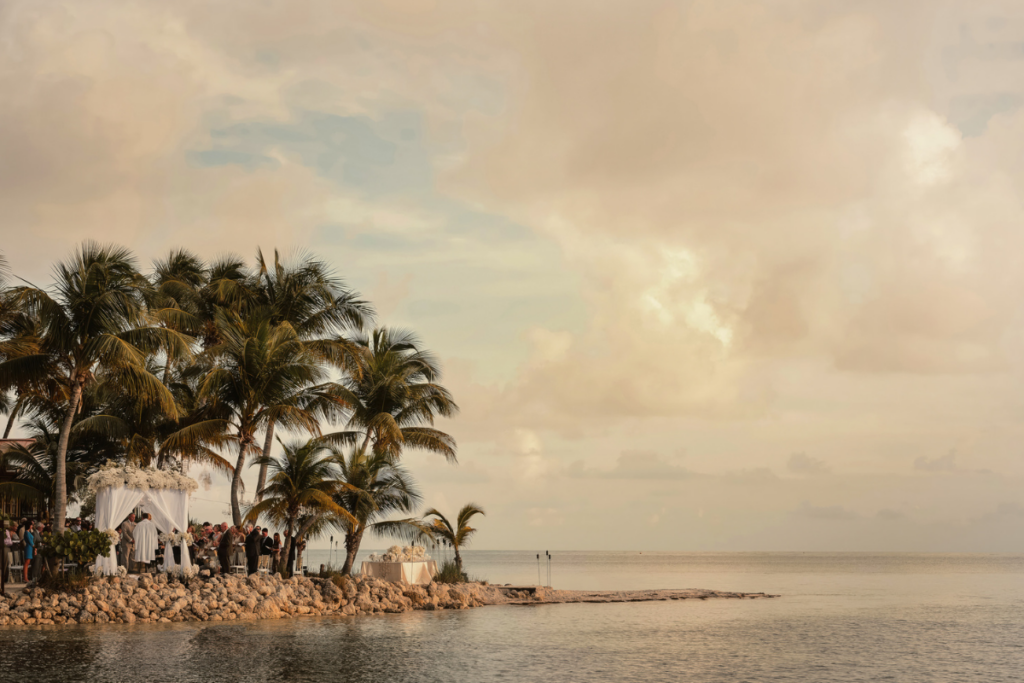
(449, 573)
(80, 547)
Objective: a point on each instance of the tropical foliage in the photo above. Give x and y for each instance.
(457, 535)
(80, 547)
(377, 488)
(300, 491)
(203, 363)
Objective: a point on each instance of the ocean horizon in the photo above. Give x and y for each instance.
(839, 617)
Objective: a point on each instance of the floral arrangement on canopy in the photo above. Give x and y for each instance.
(177, 538)
(112, 474)
(115, 537)
(397, 553)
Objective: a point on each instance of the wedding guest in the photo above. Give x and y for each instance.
(252, 550)
(37, 557)
(277, 549)
(29, 539)
(76, 524)
(266, 549)
(224, 548)
(9, 536)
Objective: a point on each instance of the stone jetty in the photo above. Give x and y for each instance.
(158, 599)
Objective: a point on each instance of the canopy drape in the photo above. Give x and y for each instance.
(169, 508)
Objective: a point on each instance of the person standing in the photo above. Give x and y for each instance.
(127, 543)
(146, 540)
(9, 537)
(277, 552)
(29, 540)
(37, 557)
(252, 550)
(224, 549)
(266, 549)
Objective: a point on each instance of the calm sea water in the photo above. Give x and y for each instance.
(842, 617)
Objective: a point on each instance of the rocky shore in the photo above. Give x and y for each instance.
(155, 599)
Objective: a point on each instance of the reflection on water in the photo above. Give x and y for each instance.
(843, 618)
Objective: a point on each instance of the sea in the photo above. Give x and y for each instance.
(840, 617)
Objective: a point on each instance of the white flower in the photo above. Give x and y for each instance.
(112, 474)
(115, 537)
(122, 572)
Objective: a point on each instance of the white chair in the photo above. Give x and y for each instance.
(238, 569)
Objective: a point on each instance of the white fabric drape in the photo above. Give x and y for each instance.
(113, 504)
(169, 508)
(420, 572)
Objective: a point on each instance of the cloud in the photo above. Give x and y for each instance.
(826, 512)
(801, 463)
(633, 465)
(940, 463)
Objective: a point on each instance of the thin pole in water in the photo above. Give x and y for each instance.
(538, 569)
(549, 567)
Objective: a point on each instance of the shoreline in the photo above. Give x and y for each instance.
(158, 599)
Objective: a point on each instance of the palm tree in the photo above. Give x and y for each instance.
(36, 465)
(457, 535)
(379, 488)
(319, 307)
(257, 373)
(395, 395)
(93, 327)
(300, 490)
(147, 436)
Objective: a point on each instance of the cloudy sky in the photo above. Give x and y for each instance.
(705, 275)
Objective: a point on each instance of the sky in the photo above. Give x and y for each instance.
(704, 275)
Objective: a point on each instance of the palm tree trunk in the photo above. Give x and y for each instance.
(286, 549)
(236, 483)
(60, 502)
(298, 554)
(12, 417)
(458, 559)
(352, 542)
(267, 444)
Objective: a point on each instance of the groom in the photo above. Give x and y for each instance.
(124, 548)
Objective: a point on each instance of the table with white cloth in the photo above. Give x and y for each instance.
(420, 572)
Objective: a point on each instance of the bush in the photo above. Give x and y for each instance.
(80, 547)
(449, 573)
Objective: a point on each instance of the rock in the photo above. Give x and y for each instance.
(102, 618)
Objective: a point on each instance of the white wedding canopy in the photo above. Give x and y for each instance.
(165, 495)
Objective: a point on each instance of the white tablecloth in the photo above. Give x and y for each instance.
(421, 572)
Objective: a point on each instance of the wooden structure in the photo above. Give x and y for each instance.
(11, 507)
